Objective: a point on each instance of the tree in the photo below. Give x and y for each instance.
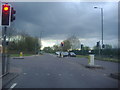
(86, 48)
(107, 46)
(48, 49)
(67, 45)
(24, 43)
(107, 51)
(74, 41)
(56, 48)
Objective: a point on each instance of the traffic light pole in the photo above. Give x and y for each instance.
(99, 51)
(4, 49)
(5, 22)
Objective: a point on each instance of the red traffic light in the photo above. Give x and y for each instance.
(62, 43)
(6, 7)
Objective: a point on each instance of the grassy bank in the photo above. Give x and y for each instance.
(17, 55)
(82, 56)
(101, 58)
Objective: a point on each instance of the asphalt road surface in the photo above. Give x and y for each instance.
(49, 71)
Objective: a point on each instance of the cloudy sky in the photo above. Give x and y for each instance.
(59, 20)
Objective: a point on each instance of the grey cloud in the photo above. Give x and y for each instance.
(62, 19)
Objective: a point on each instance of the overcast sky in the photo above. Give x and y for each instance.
(58, 20)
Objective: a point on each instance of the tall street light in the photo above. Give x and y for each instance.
(101, 23)
(41, 33)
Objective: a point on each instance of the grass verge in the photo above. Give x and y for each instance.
(17, 55)
(100, 58)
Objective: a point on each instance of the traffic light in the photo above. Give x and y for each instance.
(98, 44)
(7, 43)
(12, 14)
(62, 44)
(103, 46)
(81, 46)
(6, 10)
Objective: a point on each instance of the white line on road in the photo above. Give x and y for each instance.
(48, 74)
(13, 86)
(59, 74)
(24, 73)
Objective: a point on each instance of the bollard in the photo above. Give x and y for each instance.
(21, 54)
(91, 59)
(91, 63)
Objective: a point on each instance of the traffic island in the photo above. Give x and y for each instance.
(94, 66)
(18, 57)
(91, 63)
(115, 75)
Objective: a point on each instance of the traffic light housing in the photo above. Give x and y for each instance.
(103, 46)
(81, 46)
(12, 14)
(62, 44)
(7, 43)
(6, 10)
(98, 44)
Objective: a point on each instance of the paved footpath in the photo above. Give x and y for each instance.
(49, 71)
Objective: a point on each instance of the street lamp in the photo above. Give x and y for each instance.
(41, 33)
(101, 22)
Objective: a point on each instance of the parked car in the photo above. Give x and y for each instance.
(57, 53)
(72, 54)
(64, 54)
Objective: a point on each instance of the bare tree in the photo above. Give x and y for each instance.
(75, 42)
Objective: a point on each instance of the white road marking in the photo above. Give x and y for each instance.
(82, 74)
(48, 74)
(71, 75)
(36, 74)
(13, 86)
(24, 73)
(60, 74)
(104, 74)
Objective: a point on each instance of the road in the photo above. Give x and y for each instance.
(49, 71)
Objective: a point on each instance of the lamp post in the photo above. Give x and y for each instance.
(101, 23)
(41, 33)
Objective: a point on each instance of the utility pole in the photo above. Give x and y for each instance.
(101, 9)
(41, 33)
(102, 25)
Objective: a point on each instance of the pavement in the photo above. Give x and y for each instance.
(49, 71)
(8, 78)
(0, 64)
(0, 71)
